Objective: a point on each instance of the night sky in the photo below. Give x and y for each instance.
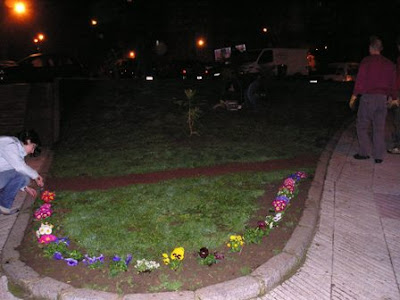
(342, 26)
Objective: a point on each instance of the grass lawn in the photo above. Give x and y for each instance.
(148, 220)
(137, 128)
(124, 128)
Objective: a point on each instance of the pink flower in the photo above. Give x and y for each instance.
(301, 174)
(43, 212)
(47, 238)
(289, 182)
(279, 205)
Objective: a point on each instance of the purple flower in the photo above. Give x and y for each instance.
(58, 256)
(128, 259)
(218, 256)
(100, 258)
(261, 225)
(283, 198)
(295, 176)
(89, 260)
(116, 258)
(71, 262)
(64, 240)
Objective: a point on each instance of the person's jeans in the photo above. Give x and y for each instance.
(10, 183)
(372, 110)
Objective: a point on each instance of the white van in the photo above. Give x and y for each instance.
(342, 71)
(281, 61)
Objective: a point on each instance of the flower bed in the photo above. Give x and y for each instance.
(58, 247)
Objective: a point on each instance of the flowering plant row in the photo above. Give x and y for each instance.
(58, 248)
(287, 191)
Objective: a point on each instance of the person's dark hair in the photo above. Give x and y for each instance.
(375, 43)
(398, 40)
(30, 135)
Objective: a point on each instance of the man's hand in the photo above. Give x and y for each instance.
(31, 191)
(393, 103)
(352, 102)
(39, 181)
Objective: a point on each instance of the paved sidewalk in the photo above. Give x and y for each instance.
(353, 228)
(355, 253)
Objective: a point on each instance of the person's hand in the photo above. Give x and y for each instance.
(395, 102)
(352, 102)
(39, 181)
(31, 191)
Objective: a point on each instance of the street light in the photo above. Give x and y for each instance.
(201, 42)
(19, 8)
(132, 54)
(38, 39)
(11, 11)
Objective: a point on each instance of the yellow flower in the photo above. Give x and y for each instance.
(178, 253)
(166, 258)
(229, 245)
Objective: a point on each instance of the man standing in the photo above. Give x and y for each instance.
(395, 108)
(375, 83)
(15, 174)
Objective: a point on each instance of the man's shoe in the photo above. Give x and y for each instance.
(358, 156)
(394, 150)
(378, 161)
(8, 211)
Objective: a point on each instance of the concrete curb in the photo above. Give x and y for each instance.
(258, 283)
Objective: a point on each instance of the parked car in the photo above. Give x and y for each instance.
(41, 67)
(188, 70)
(127, 68)
(341, 71)
(196, 70)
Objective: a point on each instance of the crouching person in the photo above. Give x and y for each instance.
(15, 174)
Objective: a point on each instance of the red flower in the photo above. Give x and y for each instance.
(48, 196)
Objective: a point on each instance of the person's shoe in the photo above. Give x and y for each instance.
(394, 150)
(378, 161)
(358, 156)
(8, 211)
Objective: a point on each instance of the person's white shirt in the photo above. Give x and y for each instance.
(12, 156)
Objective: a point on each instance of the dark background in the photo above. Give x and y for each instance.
(165, 30)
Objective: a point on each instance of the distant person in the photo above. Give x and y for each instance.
(395, 108)
(253, 93)
(15, 174)
(375, 82)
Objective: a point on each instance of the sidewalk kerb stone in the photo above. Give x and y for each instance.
(20, 273)
(276, 269)
(15, 238)
(242, 288)
(300, 241)
(309, 217)
(185, 295)
(47, 288)
(86, 294)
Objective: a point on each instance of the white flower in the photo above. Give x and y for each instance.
(145, 265)
(277, 217)
(44, 229)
